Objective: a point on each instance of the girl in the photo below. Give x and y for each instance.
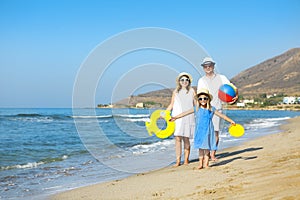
(183, 100)
(205, 139)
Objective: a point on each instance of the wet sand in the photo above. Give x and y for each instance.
(264, 168)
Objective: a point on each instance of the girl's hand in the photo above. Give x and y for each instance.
(232, 123)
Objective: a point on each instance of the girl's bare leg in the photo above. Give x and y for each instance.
(186, 142)
(178, 150)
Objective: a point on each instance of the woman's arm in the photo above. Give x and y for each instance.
(170, 107)
(182, 115)
(195, 102)
(224, 117)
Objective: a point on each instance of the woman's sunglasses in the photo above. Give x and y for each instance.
(204, 98)
(184, 79)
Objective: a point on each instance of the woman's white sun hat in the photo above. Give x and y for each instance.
(184, 74)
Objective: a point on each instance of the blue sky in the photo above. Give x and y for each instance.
(44, 43)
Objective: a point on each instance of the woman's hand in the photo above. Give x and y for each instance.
(172, 119)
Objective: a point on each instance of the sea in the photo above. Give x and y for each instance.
(44, 151)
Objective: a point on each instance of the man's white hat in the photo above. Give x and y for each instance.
(208, 60)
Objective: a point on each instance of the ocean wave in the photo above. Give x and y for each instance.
(92, 116)
(132, 116)
(152, 147)
(272, 119)
(22, 166)
(33, 164)
(138, 120)
(28, 115)
(255, 124)
(34, 117)
(265, 123)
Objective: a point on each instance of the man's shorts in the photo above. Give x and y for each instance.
(216, 121)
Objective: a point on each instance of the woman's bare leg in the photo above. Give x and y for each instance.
(178, 150)
(186, 142)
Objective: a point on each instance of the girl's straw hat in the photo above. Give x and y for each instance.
(184, 74)
(205, 92)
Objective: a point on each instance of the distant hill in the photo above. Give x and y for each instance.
(158, 98)
(280, 75)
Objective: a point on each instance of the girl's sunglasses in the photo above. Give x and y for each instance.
(204, 98)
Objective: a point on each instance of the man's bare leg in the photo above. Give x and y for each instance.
(213, 153)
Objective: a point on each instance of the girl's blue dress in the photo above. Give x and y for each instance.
(204, 133)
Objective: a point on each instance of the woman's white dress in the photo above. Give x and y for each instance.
(184, 126)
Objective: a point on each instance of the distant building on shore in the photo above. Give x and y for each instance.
(241, 104)
(139, 105)
(105, 106)
(290, 100)
(245, 101)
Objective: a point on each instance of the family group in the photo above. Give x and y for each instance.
(197, 114)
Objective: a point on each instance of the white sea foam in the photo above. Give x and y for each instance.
(132, 116)
(264, 123)
(23, 166)
(28, 165)
(153, 147)
(91, 116)
(138, 120)
(33, 119)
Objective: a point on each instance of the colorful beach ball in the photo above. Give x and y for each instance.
(227, 92)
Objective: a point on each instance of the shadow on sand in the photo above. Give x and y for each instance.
(234, 153)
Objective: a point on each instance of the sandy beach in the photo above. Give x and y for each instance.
(264, 168)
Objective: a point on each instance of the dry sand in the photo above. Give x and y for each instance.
(264, 168)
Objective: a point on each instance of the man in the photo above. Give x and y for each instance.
(213, 82)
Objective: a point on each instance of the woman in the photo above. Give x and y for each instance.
(183, 100)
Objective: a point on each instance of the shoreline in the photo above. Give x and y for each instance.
(295, 108)
(271, 108)
(252, 170)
